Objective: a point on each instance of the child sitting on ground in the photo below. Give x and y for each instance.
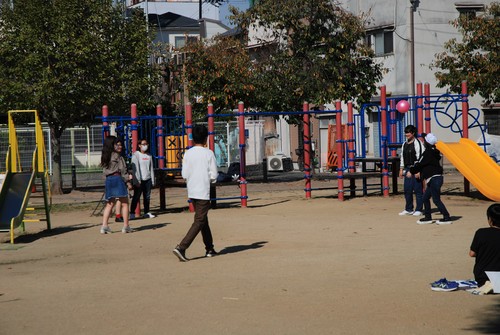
(485, 246)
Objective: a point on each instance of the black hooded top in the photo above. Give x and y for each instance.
(429, 164)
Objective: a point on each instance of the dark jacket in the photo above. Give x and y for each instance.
(429, 164)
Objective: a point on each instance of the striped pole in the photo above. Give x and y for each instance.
(306, 136)
(242, 140)
(383, 115)
(340, 156)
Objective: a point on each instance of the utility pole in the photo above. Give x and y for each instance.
(147, 17)
(412, 47)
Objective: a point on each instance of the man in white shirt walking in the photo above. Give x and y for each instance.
(199, 169)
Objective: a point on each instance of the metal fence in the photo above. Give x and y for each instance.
(81, 148)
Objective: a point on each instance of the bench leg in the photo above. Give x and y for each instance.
(352, 187)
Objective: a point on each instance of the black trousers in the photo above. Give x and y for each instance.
(145, 190)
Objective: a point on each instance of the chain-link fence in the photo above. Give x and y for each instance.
(80, 147)
(26, 142)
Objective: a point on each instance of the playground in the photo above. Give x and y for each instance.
(287, 266)
(293, 257)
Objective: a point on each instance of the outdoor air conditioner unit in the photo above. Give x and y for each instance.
(275, 163)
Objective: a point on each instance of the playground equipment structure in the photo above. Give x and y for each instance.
(449, 111)
(19, 182)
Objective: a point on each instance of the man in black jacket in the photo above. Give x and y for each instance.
(411, 151)
(430, 169)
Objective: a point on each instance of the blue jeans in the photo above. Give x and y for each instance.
(434, 190)
(412, 185)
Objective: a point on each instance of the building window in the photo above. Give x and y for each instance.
(181, 41)
(381, 41)
(468, 10)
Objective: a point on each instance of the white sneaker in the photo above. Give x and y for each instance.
(126, 229)
(425, 221)
(444, 221)
(106, 230)
(417, 213)
(149, 215)
(405, 212)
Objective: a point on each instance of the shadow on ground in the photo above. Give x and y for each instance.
(242, 247)
(458, 191)
(235, 248)
(488, 320)
(153, 226)
(29, 238)
(235, 204)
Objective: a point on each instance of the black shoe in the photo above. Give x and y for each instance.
(118, 219)
(425, 221)
(211, 253)
(181, 254)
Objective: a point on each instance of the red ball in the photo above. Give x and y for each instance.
(403, 106)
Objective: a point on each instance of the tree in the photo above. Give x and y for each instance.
(475, 57)
(219, 72)
(68, 58)
(314, 52)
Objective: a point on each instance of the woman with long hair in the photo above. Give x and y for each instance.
(117, 182)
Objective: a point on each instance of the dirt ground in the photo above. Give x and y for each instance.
(287, 266)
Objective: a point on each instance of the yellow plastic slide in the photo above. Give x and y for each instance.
(475, 165)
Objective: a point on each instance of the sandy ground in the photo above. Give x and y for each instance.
(287, 266)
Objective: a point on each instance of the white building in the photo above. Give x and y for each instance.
(406, 43)
(179, 21)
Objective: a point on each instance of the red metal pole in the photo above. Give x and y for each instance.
(465, 124)
(340, 156)
(105, 123)
(242, 140)
(160, 137)
(133, 122)
(350, 144)
(188, 122)
(211, 127)
(465, 110)
(306, 137)
(427, 107)
(394, 151)
(383, 115)
(420, 112)
(133, 128)
(160, 140)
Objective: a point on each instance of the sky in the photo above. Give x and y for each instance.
(224, 9)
